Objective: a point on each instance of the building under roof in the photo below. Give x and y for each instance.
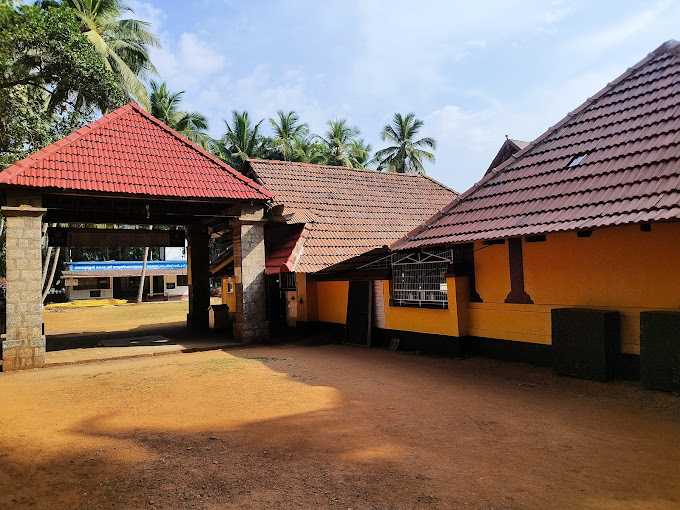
(126, 168)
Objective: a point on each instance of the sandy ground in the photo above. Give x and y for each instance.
(136, 318)
(331, 426)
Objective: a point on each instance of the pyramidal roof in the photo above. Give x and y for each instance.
(129, 151)
(614, 160)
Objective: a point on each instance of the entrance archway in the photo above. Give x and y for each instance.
(129, 168)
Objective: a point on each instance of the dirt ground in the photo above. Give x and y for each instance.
(331, 426)
(122, 318)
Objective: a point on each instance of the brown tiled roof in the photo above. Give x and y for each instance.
(509, 148)
(352, 211)
(629, 133)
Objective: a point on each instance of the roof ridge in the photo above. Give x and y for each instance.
(186, 141)
(346, 168)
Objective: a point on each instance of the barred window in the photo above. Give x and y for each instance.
(287, 281)
(419, 279)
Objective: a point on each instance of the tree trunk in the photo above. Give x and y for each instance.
(54, 270)
(48, 256)
(140, 292)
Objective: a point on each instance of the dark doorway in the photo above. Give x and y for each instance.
(276, 306)
(358, 330)
(158, 284)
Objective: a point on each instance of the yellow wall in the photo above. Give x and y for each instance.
(332, 301)
(332, 307)
(228, 298)
(451, 321)
(619, 268)
(307, 305)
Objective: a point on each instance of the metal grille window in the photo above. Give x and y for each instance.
(419, 279)
(287, 281)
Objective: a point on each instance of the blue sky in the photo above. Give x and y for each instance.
(473, 71)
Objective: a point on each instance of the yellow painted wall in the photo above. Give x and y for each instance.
(619, 268)
(307, 306)
(451, 321)
(228, 298)
(332, 301)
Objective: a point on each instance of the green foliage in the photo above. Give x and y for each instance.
(51, 79)
(242, 141)
(343, 147)
(288, 131)
(406, 154)
(165, 107)
(123, 44)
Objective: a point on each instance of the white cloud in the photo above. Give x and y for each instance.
(602, 39)
(198, 56)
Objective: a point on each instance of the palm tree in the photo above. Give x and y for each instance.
(359, 153)
(123, 43)
(406, 155)
(339, 141)
(242, 141)
(307, 149)
(286, 132)
(164, 105)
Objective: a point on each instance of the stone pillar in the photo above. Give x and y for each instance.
(198, 270)
(24, 346)
(250, 286)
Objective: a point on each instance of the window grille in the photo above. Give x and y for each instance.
(419, 279)
(287, 281)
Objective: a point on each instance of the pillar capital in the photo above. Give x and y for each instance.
(22, 211)
(251, 212)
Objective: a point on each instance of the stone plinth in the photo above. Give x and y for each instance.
(24, 346)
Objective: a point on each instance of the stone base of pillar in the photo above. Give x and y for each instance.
(251, 332)
(17, 356)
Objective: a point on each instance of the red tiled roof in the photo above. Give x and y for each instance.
(129, 151)
(284, 245)
(348, 211)
(630, 134)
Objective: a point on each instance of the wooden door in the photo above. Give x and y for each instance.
(358, 330)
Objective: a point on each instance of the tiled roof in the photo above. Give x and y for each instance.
(349, 211)
(284, 245)
(629, 133)
(129, 151)
(509, 148)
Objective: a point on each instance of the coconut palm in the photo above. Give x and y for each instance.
(359, 153)
(406, 154)
(164, 105)
(307, 149)
(287, 130)
(241, 141)
(339, 141)
(123, 43)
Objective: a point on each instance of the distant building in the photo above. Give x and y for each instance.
(165, 279)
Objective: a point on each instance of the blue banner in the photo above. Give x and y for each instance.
(126, 266)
